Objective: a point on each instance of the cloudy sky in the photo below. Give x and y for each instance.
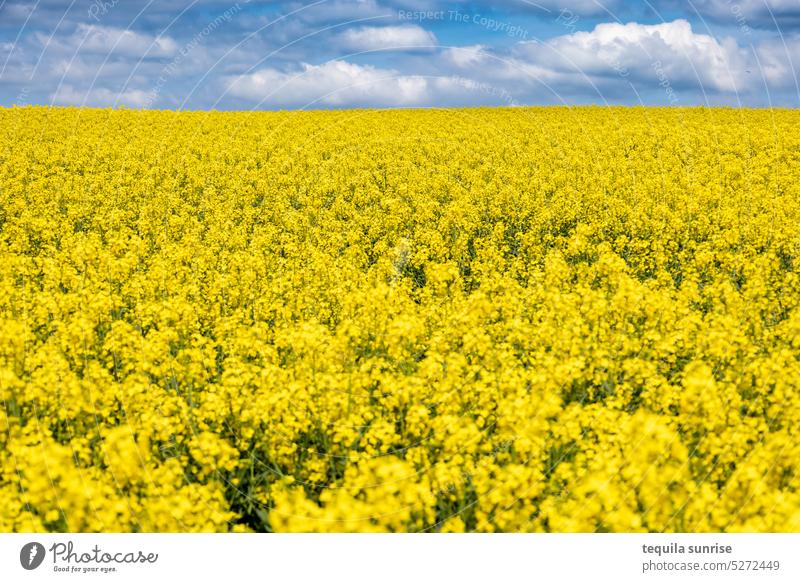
(255, 54)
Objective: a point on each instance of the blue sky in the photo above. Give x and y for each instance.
(245, 55)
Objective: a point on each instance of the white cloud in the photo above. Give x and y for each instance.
(104, 40)
(468, 56)
(572, 67)
(15, 11)
(85, 69)
(606, 59)
(626, 62)
(777, 62)
(687, 57)
(6, 48)
(367, 38)
(481, 62)
(334, 83)
(343, 84)
(633, 50)
(100, 97)
(15, 63)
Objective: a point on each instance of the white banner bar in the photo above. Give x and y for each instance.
(400, 557)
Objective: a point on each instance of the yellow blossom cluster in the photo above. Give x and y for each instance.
(517, 320)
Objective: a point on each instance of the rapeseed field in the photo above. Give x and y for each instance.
(511, 320)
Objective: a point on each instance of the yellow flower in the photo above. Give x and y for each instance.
(515, 320)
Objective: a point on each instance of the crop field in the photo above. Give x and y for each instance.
(514, 320)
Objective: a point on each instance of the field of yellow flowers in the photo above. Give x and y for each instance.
(527, 319)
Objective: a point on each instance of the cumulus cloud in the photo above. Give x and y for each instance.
(85, 70)
(687, 58)
(105, 40)
(614, 61)
(626, 61)
(14, 11)
(471, 56)
(777, 60)
(369, 38)
(99, 97)
(15, 63)
(334, 83)
(579, 61)
(622, 53)
(343, 84)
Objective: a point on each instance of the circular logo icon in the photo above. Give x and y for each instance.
(31, 555)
